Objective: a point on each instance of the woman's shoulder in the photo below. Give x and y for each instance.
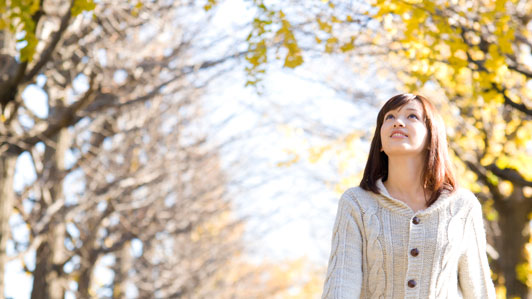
(466, 198)
(357, 194)
(361, 199)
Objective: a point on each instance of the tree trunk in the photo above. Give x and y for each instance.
(147, 286)
(514, 235)
(86, 271)
(49, 281)
(121, 269)
(7, 171)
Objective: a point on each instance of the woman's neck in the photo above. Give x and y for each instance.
(404, 181)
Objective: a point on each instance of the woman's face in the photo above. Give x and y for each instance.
(403, 130)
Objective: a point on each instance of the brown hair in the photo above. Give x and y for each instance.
(437, 175)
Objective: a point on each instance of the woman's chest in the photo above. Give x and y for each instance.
(410, 256)
(404, 250)
(403, 235)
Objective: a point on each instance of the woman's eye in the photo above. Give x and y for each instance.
(389, 116)
(413, 115)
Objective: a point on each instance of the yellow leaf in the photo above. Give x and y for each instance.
(330, 44)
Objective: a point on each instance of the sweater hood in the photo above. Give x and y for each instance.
(399, 206)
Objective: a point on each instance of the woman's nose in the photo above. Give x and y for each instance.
(398, 123)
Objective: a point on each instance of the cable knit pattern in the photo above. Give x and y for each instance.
(381, 248)
(376, 273)
(345, 236)
(334, 257)
(447, 256)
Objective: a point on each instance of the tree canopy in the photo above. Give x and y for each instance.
(475, 53)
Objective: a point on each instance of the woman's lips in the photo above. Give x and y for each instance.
(398, 135)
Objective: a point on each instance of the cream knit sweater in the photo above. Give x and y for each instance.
(383, 249)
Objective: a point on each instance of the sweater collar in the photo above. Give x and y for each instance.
(395, 204)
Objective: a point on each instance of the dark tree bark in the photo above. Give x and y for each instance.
(49, 281)
(121, 268)
(7, 171)
(513, 220)
(86, 273)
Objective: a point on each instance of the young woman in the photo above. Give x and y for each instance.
(408, 231)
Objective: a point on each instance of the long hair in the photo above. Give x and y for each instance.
(437, 174)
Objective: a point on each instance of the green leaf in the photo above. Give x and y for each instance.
(35, 6)
(26, 53)
(81, 6)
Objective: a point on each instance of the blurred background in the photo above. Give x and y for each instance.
(197, 149)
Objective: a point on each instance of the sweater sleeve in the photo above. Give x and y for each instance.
(344, 271)
(473, 269)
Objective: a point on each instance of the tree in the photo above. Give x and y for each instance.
(123, 172)
(476, 53)
(98, 94)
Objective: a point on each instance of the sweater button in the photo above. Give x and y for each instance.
(415, 220)
(412, 283)
(414, 252)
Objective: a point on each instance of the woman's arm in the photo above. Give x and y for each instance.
(473, 268)
(344, 272)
